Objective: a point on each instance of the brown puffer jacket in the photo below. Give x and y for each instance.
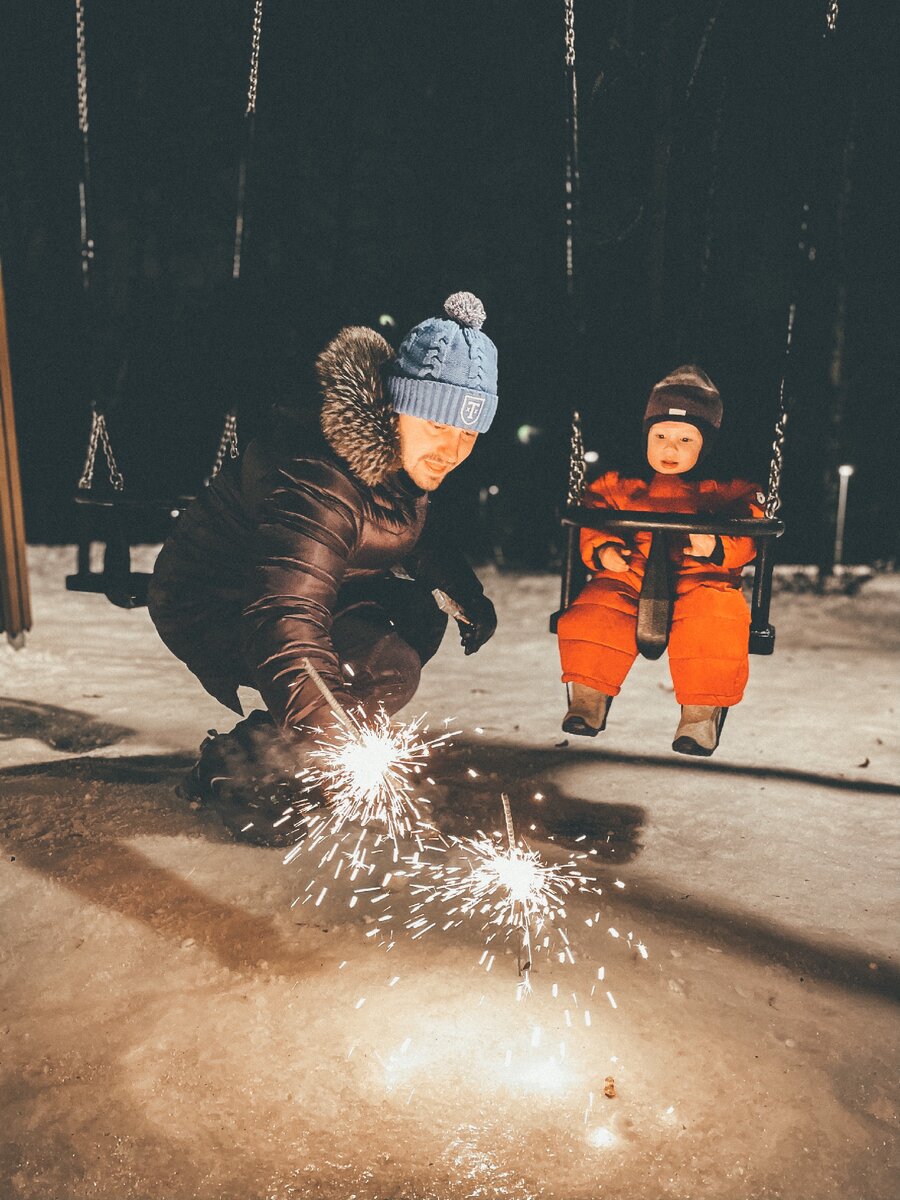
(246, 586)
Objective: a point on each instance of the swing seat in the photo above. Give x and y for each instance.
(655, 605)
(106, 520)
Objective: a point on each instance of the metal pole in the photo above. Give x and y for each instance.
(15, 596)
(844, 473)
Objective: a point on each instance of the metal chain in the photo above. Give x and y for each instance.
(249, 119)
(577, 467)
(228, 444)
(571, 149)
(100, 436)
(254, 58)
(831, 17)
(81, 52)
(570, 33)
(87, 244)
(773, 500)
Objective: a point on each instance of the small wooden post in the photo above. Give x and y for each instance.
(15, 598)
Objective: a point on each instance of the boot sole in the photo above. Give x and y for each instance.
(687, 745)
(579, 727)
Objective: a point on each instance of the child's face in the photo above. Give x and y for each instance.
(673, 447)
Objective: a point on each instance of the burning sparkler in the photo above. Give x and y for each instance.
(368, 770)
(511, 886)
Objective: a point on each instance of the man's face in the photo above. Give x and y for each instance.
(429, 451)
(673, 447)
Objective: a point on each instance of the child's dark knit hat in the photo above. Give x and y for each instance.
(687, 394)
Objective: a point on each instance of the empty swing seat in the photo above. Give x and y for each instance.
(106, 520)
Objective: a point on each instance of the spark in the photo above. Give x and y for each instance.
(509, 885)
(365, 768)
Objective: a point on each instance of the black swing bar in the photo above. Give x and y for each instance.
(654, 611)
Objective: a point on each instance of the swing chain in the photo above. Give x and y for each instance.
(773, 499)
(87, 244)
(100, 436)
(572, 172)
(228, 444)
(577, 466)
(570, 33)
(81, 51)
(254, 58)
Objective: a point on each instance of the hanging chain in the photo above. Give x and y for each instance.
(571, 149)
(254, 58)
(100, 436)
(570, 33)
(228, 444)
(249, 116)
(87, 245)
(773, 500)
(577, 466)
(81, 52)
(831, 16)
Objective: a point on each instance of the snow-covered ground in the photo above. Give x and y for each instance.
(173, 1028)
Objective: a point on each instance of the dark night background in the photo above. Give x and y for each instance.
(407, 150)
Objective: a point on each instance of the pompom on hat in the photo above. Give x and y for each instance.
(446, 368)
(687, 394)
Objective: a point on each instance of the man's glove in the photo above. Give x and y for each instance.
(477, 623)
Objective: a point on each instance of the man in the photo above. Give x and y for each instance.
(315, 545)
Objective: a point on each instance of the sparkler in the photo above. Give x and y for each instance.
(367, 770)
(510, 885)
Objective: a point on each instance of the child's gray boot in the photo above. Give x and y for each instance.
(698, 730)
(587, 711)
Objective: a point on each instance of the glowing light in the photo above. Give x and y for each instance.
(367, 773)
(507, 885)
(601, 1138)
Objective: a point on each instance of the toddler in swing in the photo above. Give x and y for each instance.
(708, 641)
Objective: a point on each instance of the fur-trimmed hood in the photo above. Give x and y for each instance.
(358, 423)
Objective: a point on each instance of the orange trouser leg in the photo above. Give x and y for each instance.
(708, 645)
(597, 634)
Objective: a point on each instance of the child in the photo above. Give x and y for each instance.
(710, 618)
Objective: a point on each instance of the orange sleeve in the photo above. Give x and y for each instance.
(602, 493)
(740, 499)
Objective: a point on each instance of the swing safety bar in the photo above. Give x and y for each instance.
(653, 622)
(621, 521)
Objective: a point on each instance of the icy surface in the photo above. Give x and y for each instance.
(173, 1028)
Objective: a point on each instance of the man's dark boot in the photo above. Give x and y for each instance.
(249, 776)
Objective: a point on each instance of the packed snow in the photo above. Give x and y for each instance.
(189, 1017)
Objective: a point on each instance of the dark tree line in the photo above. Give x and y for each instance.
(732, 161)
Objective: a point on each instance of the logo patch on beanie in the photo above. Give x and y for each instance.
(677, 412)
(470, 409)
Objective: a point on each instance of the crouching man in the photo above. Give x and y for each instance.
(315, 544)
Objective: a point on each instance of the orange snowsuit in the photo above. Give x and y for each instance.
(710, 618)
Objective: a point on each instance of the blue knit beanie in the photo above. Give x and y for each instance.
(446, 368)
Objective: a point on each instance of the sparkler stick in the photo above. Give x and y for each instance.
(337, 710)
(524, 950)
